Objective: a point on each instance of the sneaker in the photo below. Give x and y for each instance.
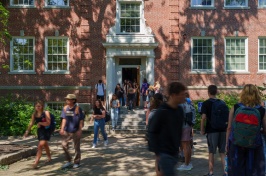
(208, 174)
(76, 166)
(66, 165)
(184, 167)
(105, 143)
(93, 146)
(190, 165)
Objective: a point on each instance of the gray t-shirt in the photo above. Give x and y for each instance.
(115, 103)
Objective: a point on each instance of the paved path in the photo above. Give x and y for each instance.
(124, 156)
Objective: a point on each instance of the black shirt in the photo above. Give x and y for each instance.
(165, 130)
(207, 109)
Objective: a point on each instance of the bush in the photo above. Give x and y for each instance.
(16, 114)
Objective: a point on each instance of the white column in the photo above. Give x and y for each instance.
(110, 77)
(150, 70)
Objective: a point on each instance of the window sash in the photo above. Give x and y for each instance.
(22, 2)
(262, 54)
(262, 3)
(236, 3)
(22, 54)
(57, 54)
(57, 2)
(130, 18)
(57, 106)
(200, 3)
(235, 54)
(202, 54)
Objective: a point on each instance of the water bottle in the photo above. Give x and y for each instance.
(226, 165)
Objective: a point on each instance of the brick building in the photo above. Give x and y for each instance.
(64, 46)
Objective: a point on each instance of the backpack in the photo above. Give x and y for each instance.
(98, 87)
(246, 127)
(190, 114)
(107, 117)
(219, 114)
(52, 125)
(144, 87)
(151, 93)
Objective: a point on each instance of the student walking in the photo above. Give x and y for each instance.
(165, 129)
(71, 129)
(115, 105)
(245, 148)
(215, 129)
(99, 122)
(42, 119)
(143, 91)
(100, 91)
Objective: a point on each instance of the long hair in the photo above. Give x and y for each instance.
(156, 101)
(40, 103)
(114, 95)
(250, 96)
(100, 104)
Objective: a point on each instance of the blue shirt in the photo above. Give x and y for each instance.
(72, 119)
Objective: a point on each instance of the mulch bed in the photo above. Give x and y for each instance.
(11, 148)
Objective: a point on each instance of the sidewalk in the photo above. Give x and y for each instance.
(124, 156)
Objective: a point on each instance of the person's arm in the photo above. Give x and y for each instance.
(154, 129)
(202, 122)
(63, 122)
(29, 127)
(118, 104)
(47, 120)
(229, 126)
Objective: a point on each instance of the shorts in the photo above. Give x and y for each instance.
(100, 97)
(186, 134)
(167, 164)
(215, 140)
(144, 97)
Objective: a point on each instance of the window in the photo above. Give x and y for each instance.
(57, 54)
(262, 54)
(202, 54)
(202, 3)
(130, 18)
(57, 106)
(22, 2)
(262, 3)
(236, 3)
(22, 54)
(235, 54)
(57, 2)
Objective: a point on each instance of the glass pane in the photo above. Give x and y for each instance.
(50, 50)
(55, 58)
(64, 66)
(60, 50)
(54, 42)
(50, 66)
(50, 42)
(50, 58)
(64, 50)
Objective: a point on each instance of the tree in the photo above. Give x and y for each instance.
(4, 15)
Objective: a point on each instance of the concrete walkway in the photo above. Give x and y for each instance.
(125, 155)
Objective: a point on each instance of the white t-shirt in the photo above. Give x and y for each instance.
(100, 89)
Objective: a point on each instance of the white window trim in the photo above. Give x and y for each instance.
(12, 71)
(213, 57)
(46, 57)
(21, 6)
(56, 6)
(201, 6)
(261, 6)
(246, 56)
(259, 70)
(142, 20)
(236, 7)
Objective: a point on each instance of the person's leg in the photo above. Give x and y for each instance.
(39, 153)
(167, 164)
(96, 130)
(212, 139)
(157, 168)
(221, 146)
(102, 127)
(47, 150)
(66, 138)
(264, 148)
(211, 162)
(113, 114)
(116, 116)
(187, 151)
(76, 141)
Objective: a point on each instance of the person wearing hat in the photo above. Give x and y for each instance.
(71, 129)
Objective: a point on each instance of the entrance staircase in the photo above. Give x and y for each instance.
(129, 122)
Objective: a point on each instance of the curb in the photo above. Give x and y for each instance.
(14, 157)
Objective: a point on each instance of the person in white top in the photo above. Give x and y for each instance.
(100, 91)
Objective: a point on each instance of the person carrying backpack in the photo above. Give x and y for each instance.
(189, 121)
(244, 138)
(215, 112)
(43, 120)
(100, 91)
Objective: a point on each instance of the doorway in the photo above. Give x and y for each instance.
(132, 74)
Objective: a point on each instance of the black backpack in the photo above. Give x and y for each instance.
(219, 114)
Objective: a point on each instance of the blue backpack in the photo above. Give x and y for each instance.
(219, 115)
(52, 125)
(246, 127)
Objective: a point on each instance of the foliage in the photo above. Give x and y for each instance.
(229, 98)
(4, 15)
(16, 115)
(4, 167)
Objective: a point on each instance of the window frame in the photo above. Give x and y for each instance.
(58, 104)
(236, 6)
(12, 59)
(118, 16)
(46, 56)
(261, 6)
(260, 70)
(212, 70)
(246, 54)
(60, 6)
(21, 5)
(201, 6)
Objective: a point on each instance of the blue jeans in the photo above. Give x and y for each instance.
(99, 123)
(114, 116)
(120, 102)
(264, 147)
